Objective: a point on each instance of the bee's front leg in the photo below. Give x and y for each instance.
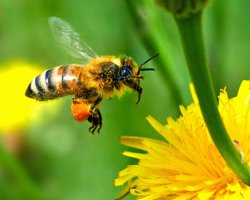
(135, 85)
(139, 91)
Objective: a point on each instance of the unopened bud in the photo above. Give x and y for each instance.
(183, 8)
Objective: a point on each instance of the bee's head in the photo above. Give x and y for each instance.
(129, 74)
(128, 69)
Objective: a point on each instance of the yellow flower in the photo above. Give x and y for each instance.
(187, 164)
(15, 108)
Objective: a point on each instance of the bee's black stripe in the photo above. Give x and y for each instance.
(64, 74)
(29, 91)
(39, 87)
(48, 81)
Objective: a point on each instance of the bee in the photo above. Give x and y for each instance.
(99, 78)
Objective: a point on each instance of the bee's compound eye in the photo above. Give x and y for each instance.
(125, 72)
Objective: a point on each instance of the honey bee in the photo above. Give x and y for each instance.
(90, 83)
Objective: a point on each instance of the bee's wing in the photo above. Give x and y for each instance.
(70, 39)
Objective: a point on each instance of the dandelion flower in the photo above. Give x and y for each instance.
(186, 164)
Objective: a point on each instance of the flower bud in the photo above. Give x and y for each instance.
(183, 8)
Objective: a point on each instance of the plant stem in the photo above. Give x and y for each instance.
(192, 39)
(20, 175)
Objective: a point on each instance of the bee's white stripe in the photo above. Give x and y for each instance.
(55, 79)
(42, 82)
(33, 86)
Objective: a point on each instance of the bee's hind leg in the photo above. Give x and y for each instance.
(96, 119)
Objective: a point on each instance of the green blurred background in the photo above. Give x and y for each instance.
(63, 159)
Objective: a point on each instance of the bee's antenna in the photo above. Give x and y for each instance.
(146, 69)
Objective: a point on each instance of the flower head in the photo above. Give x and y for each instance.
(187, 164)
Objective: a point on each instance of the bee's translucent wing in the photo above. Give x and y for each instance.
(70, 39)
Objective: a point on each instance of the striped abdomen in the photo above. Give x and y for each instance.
(56, 82)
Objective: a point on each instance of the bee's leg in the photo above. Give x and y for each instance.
(96, 120)
(134, 85)
(95, 104)
(95, 117)
(139, 91)
(99, 121)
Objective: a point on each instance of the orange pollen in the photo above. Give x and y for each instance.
(80, 110)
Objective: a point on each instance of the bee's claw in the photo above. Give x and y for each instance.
(92, 129)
